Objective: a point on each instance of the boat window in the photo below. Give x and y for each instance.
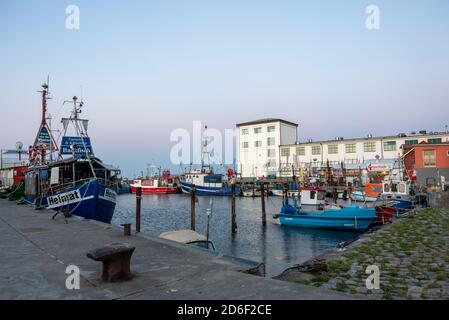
(394, 187)
(386, 187)
(321, 195)
(402, 188)
(312, 194)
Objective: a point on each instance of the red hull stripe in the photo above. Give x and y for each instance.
(149, 190)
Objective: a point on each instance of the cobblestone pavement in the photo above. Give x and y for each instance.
(412, 255)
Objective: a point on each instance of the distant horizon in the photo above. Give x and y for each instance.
(146, 68)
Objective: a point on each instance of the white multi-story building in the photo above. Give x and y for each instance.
(270, 147)
(358, 152)
(259, 142)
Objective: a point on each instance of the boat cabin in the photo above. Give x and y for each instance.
(313, 196)
(204, 178)
(395, 188)
(67, 173)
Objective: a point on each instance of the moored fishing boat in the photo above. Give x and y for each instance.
(159, 184)
(81, 184)
(340, 218)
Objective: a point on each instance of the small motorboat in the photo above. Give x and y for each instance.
(189, 237)
(370, 194)
(340, 218)
(399, 193)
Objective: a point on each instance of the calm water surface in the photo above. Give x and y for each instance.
(278, 246)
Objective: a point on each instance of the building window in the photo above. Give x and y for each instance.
(390, 146)
(434, 140)
(258, 130)
(258, 144)
(271, 141)
(245, 145)
(410, 142)
(300, 151)
(316, 150)
(271, 153)
(271, 128)
(285, 152)
(350, 148)
(245, 132)
(332, 149)
(369, 147)
(430, 158)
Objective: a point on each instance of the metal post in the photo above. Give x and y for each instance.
(138, 207)
(192, 208)
(262, 196)
(233, 216)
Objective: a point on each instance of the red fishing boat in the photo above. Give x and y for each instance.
(160, 184)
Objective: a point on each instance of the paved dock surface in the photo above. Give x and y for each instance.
(35, 251)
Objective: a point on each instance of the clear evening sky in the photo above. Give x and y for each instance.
(148, 67)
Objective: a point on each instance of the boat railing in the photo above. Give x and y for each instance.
(58, 187)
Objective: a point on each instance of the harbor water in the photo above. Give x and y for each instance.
(279, 247)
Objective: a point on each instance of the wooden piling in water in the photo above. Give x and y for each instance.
(262, 197)
(233, 216)
(192, 208)
(138, 207)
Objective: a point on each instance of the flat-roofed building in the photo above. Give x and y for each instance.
(258, 145)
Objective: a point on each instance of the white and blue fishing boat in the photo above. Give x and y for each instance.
(205, 181)
(340, 218)
(399, 193)
(81, 184)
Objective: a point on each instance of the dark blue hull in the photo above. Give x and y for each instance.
(89, 199)
(208, 191)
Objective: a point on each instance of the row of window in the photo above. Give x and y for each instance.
(271, 141)
(333, 148)
(259, 130)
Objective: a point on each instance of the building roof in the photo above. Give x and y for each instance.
(342, 140)
(265, 120)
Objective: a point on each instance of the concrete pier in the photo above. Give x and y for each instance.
(35, 251)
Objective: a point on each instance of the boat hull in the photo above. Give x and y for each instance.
(208, 191)
(159, 190)
(90, 200)
(344, 219)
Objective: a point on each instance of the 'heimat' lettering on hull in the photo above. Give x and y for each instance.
(63, 199)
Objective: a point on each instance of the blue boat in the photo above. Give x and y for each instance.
(399, 193)
(348, 218)
(81, 184)
(205, 181)
(206, 184)
(91, 197)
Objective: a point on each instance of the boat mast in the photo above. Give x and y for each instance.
(44, 138)
(205, 153)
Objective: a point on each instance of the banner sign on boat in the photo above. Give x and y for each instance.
(63, 199)
(43, 137)
(109, 195)
(82, 146)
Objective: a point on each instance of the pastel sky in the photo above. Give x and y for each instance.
(148, 67)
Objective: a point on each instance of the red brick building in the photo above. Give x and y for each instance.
(429, 162)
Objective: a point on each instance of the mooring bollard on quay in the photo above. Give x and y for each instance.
(116, 260)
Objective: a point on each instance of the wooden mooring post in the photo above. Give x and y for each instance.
(192, 208)
(262, 197)
(233, 216)
(138, 207)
